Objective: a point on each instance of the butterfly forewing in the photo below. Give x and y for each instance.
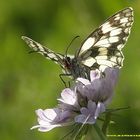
(103, 46)
(49, 54)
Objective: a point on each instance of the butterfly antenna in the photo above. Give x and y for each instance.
(70, 44)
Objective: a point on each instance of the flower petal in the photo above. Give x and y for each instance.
(83, 81)
(68, 96)
(100, 109)
(80, 118)
(94, 74)
(44, 128)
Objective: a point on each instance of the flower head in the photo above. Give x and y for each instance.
(51, 118)
(99, 88)
(90, 113)
(81, 104)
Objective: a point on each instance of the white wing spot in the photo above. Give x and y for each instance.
(128, 14)
(127, 10)
(105, 25)
(40, 48)
(123, 25)
(103, 51)
(103, 45)
(113, 59)
(105, 62)
(118, 54)
(102, 68)
(108, 29)
(125, 38)
(115, 32)
(117, 17)
(113, 39)
(101, 57)
(120, 60)
(129, 24)
(130, 18)
(87, 44)
(101, 42)
(127, 30)
(123, 20)
(89, 61)
(51, 55)
(120, 46)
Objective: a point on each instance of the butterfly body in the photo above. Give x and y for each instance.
(100, 50)
(74, 68)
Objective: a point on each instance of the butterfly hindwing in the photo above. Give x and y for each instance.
(103, 46)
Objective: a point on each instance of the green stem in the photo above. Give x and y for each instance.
(106, 122)
(99, 132)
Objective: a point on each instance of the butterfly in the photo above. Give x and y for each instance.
(100, 50)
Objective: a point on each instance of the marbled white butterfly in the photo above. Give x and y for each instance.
(101, 49)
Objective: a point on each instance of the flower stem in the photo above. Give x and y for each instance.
(106, 122)
(99, 132)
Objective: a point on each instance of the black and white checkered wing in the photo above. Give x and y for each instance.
(49, 54)
(102, 48)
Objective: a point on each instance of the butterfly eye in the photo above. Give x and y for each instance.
(67, 60)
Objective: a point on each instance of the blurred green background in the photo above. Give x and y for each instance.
(29, 82)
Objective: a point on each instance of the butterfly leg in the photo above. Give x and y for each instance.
(61, 77)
